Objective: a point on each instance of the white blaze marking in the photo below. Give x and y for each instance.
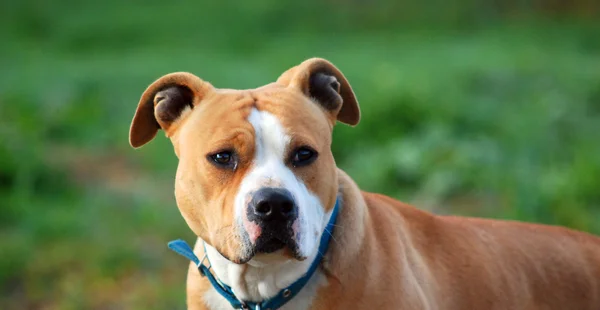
(269, 168)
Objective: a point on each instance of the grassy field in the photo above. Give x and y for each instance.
(469, 112)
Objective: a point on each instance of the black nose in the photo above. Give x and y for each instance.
(273, 204)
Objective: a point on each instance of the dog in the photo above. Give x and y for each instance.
(280, 226)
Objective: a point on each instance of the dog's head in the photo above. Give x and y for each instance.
(256, 174)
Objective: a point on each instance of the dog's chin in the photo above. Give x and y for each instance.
(278, 257)
(273, 254)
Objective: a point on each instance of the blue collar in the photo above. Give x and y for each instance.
(285, 295)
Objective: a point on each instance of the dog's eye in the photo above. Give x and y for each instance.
(303, 156)
(224, 158)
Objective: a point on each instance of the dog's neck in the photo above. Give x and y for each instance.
(258, 279)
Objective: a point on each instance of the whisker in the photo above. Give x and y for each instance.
(332, 237)
(322, 255)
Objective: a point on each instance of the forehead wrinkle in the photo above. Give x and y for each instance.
(238, 134)
(221, 120)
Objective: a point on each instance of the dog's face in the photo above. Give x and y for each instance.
(256, 174)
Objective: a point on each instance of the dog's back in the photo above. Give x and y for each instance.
(524, 265)
(489, 264)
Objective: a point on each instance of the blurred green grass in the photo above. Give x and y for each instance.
(470, 111)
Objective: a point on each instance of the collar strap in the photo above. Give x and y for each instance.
(285, 295)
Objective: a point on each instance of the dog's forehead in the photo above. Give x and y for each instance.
(290, 107)
(227, 111)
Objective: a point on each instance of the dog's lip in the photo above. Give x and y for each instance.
(254, 256)
(282, 247)
(271, 245)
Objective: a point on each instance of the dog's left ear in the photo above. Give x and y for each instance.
(320, 80)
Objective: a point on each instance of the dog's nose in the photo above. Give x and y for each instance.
(273, 204)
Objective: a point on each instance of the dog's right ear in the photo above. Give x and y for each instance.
(163, 103)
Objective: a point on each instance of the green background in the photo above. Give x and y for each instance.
(487, 108)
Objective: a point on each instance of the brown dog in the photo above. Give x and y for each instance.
(257, 183)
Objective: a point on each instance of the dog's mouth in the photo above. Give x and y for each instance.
(273, 242)
(269, 243)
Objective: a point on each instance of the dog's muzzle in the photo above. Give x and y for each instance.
(274, 211)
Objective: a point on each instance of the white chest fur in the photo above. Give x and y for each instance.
(262, 280)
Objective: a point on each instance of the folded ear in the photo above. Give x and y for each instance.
(320, 80)
(163, 103)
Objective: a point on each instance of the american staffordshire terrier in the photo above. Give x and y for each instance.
(280, 226)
